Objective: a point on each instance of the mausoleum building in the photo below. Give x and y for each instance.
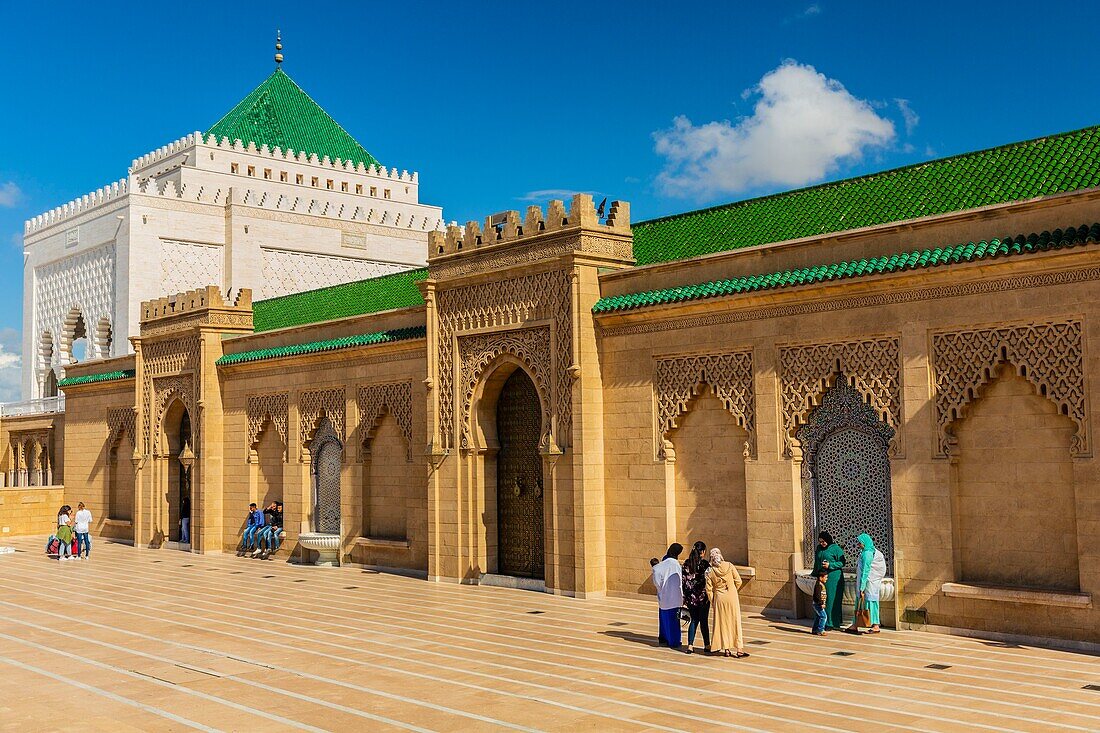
(559, 394)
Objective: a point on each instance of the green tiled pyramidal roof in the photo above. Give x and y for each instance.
(278, 113)
(1015, 172)
(347, 342)
(914, 260)
(387, 292)
(92, 378)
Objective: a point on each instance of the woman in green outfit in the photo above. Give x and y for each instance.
(830, 559)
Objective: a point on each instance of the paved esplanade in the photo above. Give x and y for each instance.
(170, 641)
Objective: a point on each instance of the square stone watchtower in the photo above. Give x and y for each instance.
(516, 493)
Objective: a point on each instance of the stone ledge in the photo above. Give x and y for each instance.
(379, 542)
(1017, 595)
(117, 523)
(747, 572)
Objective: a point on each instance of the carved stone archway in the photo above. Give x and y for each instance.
(845, 472)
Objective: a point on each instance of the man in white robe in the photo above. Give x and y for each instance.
(668, 580)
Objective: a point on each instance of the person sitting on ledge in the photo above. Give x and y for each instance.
(267, 541)
(254, 524)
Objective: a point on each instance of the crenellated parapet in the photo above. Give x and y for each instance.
(88, 201)
(509, 230)
(205, 306)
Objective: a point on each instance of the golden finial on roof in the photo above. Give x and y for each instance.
(278, 48)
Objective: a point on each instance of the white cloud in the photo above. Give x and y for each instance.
(803, 127)
(11, 376)
(545, 194)
(810, 11)
(912, 119)
(10, 195)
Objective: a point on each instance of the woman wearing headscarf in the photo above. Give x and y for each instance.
(830, 559)
(725, 607)
(695, 595)
(869, 575)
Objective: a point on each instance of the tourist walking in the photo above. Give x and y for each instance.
(670, 596)
(695, 596)
(723, 580)
(820, 598)
(64, 534)
(82, 526)
(830, 559)
(870, 572)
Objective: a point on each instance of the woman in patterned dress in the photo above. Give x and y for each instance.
(695, 595)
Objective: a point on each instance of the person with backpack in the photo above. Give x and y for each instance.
(64, 534)
(81, 527)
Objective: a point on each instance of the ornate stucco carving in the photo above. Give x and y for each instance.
(177, 358)
(375, 399)
(292, 272)
(262, 408)
(121, 420)
(893, 297)
(1049, 355)
(188, 265)
(314, 405)
(531, 346)
(81, 284)
(542, 297)
(872, 366)
(165, 389)
(678, 379)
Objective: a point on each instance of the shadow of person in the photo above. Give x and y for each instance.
(632, 636)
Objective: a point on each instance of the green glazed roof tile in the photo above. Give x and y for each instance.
(387, 292)
(937, 257)
(279, 114)
(1019, 171)
(92, 378)
(347, 342)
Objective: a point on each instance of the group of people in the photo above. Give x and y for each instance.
(72, 537)
(262, 531)
(828, 595)
(706, 585)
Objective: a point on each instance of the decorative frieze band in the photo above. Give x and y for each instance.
(1049, 355)
(871, 366)
(679, 379)
(376, 399)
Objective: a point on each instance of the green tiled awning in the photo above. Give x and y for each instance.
(279, 114)
(347, 342)
(340, 301)
(1014, 172)
(93, 378)
(902, 262)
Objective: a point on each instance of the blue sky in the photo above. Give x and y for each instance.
(671, 106)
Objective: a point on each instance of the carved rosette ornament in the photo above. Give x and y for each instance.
(375, 400)
(314, 405)
(871, 366)
(262, 408)
(679, 379)
(1049, 355)
(545, 298)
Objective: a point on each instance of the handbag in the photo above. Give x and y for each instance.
(863, 616)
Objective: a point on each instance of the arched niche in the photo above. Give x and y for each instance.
(326, 463)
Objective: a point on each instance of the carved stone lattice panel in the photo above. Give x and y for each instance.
(531, 346)
(262, 408)
(292, 272)
(1049, 355)
(314, 405)
(121, 420)
(159, 359)
(508, 304)
(375, 399)
(164, 390)
(85, 281)
(871, 366)
(846, 486)
(679, 379)
(328, 458)
(189, 265)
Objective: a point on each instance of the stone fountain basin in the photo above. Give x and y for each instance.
(327, 547)
(805, 582)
